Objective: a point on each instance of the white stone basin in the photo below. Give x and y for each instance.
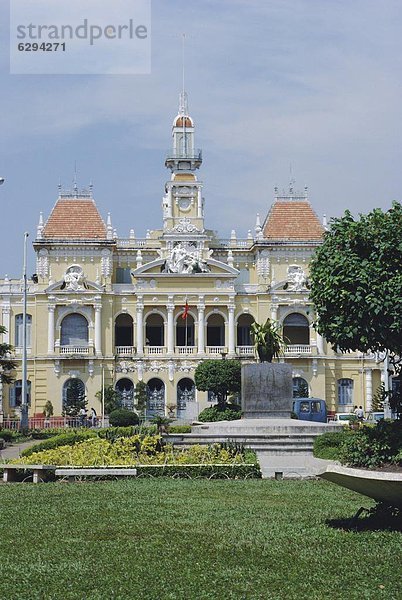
(382, 486)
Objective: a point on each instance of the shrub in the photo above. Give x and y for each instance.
(235, 471)
(122, 417)
(180, 429)
(48, 432)
(372, 447)
(328, 445)
(10, 435)
(225, 412)
(64, 439)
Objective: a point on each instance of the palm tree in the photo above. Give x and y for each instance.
(268, 340)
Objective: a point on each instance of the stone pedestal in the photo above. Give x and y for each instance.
(267, 391)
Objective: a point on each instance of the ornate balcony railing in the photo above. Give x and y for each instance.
(245, 350)
(298, 349)
(185, 349)
(154, 350)
(75, 350)
(216, 350)
(124, 350)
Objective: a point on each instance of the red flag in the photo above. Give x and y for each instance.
(185, 313)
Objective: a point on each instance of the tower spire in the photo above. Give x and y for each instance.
(183, 101)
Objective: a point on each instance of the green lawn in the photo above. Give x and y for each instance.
(159, 539)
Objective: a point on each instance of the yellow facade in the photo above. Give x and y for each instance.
(112, 306)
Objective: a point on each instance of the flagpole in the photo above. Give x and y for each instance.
(186, 309)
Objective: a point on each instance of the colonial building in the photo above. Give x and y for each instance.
(109, 307)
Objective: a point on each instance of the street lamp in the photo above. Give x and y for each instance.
(24, 399)
(2, 180)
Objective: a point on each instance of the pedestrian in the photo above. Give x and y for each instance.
(93, 417)
(360, 413)
(83, 416)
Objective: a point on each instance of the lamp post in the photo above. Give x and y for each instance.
(2, 180)
(24, 399)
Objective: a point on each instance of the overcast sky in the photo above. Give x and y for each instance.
(315, 84)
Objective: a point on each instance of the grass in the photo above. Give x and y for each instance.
(184, 540)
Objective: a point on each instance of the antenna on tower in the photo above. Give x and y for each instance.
(75, 179)
(183, 106)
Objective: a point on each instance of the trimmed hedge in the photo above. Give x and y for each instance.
(10, 435)
(65, 439)
(179, 429)
(227, 412)
(204, 471)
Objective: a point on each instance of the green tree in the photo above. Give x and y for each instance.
(268, 340)
(6, 364)
(112, 399)
(222, 377)
(75, 398)
(356, 283)
(140, 397)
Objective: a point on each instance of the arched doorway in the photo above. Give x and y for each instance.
(300, 387)
(125, 388)
(185, 399)
(244, 323)
(156, 397)
(215, 331)
(154, 330)
(296, 330)
(74, 331)
(185, 331)
(73, 397)
(123, 331)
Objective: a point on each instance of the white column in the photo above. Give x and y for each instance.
(140, 328)
(274, 312)
(170, 329)
(369, 389)
(231, 326)
(6, 323)
(169, 202)
(201, 329)
(320, 343)
(50, 328)
(98, 329)
(199, 203)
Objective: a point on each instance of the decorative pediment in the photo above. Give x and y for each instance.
(296, 281)
(211, 267)
(74, 281)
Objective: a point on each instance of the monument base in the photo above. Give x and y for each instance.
(267, 391)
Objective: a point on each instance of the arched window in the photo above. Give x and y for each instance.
(186, 408)
(185, 331)
(345, 391)
(73, 398)
(123, 330)
(156, 397)
(215, 330)
(244, 330)
(74, 331)
(19, 330)
(125, 388)
(296, 329)
(16, 393)
(154, 330)
(300, 388)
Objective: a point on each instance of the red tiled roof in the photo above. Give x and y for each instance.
(75, 218)
(293, 220)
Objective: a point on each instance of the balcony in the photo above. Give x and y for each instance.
(154, 350)
(245, 350)
(185, 350)
(293, 349)
(124, 350)
(68, 350)
(216, 350)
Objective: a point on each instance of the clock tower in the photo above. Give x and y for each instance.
(183, 205)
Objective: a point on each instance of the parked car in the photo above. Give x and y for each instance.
(344, 417)
(310, 409)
